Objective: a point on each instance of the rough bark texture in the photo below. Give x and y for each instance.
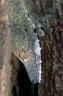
(52, 56)
(51, 44)
(5, 52)
(15, 68)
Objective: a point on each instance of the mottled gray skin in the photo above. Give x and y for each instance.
(24, 38)
(25, 16)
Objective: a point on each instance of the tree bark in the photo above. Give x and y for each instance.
(52, 52)
(5, 52)
(52, 57)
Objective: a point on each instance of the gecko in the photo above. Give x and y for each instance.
(28, 26)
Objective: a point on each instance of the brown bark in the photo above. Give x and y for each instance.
(5, 52)
(52, 56)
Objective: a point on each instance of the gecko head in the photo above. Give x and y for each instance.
(25, 43)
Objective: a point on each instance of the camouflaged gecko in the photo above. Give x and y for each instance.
(28, 25)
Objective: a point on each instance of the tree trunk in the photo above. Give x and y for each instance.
(52, 57)
(51, 45)
(5, 52)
